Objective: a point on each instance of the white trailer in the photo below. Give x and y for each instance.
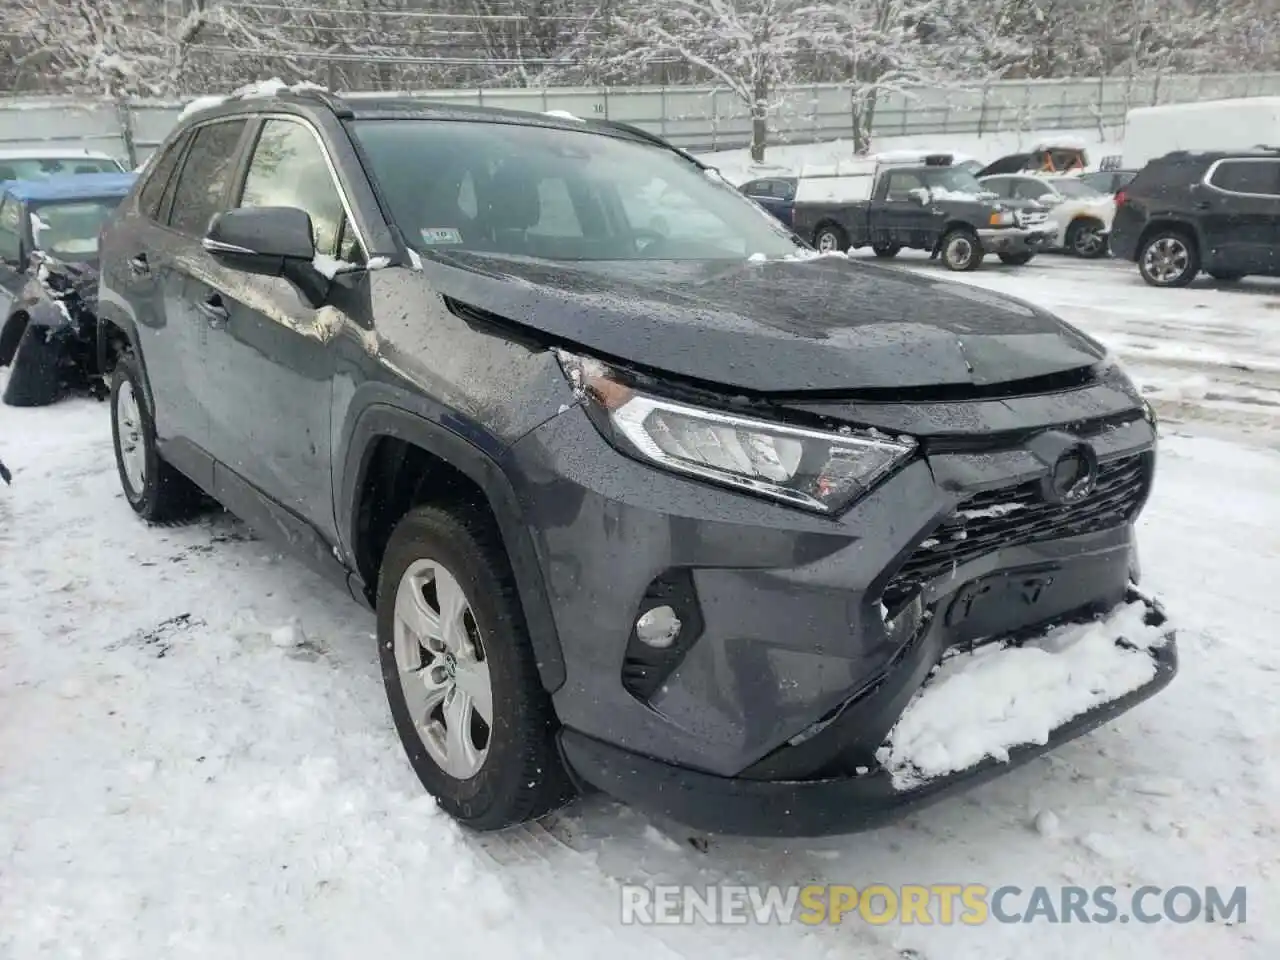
(1243, 124)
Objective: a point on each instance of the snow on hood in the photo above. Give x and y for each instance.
(985, 703)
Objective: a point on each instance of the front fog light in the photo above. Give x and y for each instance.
(658, 628)
(816, 469)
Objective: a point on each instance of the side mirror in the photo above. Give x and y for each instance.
(269, 242)
(261, 240)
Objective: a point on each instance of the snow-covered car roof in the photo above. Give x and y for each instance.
(55, 153)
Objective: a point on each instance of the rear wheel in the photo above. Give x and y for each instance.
(460, 674)
(1016, 259)
(1169, 258)
(156, 491)
(830, 238)
(962, 250)
(1085, 238)
(887, 251)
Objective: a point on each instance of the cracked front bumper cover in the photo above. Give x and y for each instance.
(842, 804)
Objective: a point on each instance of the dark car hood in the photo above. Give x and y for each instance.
(781, 326)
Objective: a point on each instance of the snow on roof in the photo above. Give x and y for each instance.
(1065, 141)
(54, 153)
(259, 88)
(562, 114)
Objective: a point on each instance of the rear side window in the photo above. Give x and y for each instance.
(202, 184)
(288, 169)
(1162, 176)
(152, 192)
(1248, 176)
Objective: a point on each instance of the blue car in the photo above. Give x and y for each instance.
(49, 281)
(775, 194)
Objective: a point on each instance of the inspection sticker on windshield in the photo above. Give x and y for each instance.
(440, 235)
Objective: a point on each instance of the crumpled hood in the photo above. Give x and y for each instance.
(780, 326)
(79, 278)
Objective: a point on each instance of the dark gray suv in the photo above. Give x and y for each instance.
(647, 495)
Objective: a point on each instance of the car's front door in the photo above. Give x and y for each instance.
(902, 212)
(272, 359)
(1239, 208)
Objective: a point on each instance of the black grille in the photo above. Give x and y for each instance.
(1014, 516)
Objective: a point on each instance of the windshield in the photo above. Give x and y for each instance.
(40, 168)
(954, 179)
(68, 229)
(1071, 187)
(557, 195)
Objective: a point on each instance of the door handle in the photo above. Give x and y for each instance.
(212, 310)
(1202, 204)
(138, 265)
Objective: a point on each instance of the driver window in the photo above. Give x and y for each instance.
(10, 230)
(901, 183)
(1031, 190)
(289, 170)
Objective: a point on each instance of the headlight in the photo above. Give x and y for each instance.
(813, 469)
(1002, 218)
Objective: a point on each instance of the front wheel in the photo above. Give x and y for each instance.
(1169, 259)
(962, 250)
(460, 674)
(1016, 259)
(831, 239)
(1085, 239)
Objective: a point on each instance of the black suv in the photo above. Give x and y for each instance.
(646, 494)
(1190, 212)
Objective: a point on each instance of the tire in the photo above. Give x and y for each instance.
(887, 251)
(829, 238)
(961, 250)
(10, 337)
(1169, 258)
(1017, 259)
(1085, 240)
(516, 774)
(1226, 276)
(161, 494)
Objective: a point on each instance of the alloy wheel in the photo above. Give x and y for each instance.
(1167, 259)
(443, 673)
(133, 452)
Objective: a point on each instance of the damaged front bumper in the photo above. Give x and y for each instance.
(922, 759)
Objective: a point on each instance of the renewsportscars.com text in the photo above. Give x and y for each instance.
(939, 903)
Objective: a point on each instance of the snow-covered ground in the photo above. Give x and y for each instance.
(196, 759)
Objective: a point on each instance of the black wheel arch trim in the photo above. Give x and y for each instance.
(380, 419)
(1159, 223)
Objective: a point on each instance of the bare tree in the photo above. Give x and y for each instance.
(751, 47)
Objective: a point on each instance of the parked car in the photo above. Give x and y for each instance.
(889, 204)
(49, 282)
(687, 516)
(1048, 157)
(775, 194)
(1108, 181)
(1190, 212)
(1082, 214)
(38, 164)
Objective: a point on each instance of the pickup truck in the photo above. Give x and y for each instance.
(920, 203)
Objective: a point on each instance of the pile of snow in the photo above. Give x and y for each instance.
(982, 703)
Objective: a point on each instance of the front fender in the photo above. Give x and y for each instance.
(381, 419)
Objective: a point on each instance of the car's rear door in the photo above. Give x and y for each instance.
(1239, 203)
(171, 272)
(272, 359)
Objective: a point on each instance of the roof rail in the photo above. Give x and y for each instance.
(325, 96)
